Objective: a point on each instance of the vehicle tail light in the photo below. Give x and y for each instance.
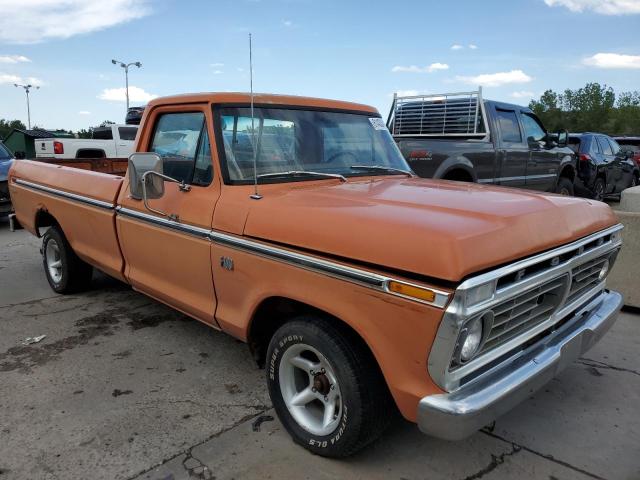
(636, 157)
(58, 148)
(419, 154)
(585, 157)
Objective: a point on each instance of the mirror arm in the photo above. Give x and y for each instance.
(183, 187)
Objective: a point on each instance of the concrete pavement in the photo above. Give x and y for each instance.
(125, 388)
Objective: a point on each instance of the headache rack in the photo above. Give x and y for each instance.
(459, 114)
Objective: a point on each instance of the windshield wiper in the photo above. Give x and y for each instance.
(382, 168)
(302, 173)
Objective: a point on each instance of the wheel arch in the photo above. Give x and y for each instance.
(457, 168)
(44, 218)
(274, 311)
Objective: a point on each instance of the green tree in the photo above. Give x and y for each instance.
(590, 108)
(7, 125)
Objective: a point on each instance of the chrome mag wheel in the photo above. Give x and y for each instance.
(54, 261)
(310, 389)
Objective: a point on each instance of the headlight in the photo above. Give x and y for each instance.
(480, 293)
(603, 271)
(471, 342)
(472, 336)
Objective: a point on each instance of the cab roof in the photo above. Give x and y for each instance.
(261, 99)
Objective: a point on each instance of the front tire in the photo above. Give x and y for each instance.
(326, 388)
(565, 187)
(598, 189)
(65, 271)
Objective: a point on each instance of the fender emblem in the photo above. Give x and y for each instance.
(226, 263)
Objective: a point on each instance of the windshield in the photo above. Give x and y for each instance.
(288, 140)
(4, 153)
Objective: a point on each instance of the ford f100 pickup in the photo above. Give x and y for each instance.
(295, 225)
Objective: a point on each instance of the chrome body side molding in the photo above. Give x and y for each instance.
(63, 194)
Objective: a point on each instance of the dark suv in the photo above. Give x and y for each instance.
(603, 168)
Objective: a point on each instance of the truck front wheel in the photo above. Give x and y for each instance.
(65, 271)
(326, 388)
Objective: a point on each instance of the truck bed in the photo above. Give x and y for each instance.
(115, 166)
(82, 202)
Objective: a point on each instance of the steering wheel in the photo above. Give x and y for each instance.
(337, 155)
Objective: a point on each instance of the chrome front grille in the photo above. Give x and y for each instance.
(532, 298)
(585, 276)
(524, 311)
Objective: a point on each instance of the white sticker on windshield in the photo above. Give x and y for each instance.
(377, 123)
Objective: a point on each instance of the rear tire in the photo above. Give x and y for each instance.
(598, 189)
(326, 387)
(565, 187)
(65, 271)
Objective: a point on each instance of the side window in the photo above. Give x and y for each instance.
(179, 138)
(595, 148)
(604, 145)
(509, 127)
(532, 127)
(614, 146)
(127, 133)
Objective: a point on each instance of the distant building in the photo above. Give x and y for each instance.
(22, 142)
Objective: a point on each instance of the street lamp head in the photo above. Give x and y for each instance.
(138, 64)
(114, 62)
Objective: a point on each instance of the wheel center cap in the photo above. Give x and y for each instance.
(321, 384)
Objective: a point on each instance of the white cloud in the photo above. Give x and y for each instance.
(455, 46)
(136, 94)
(8, 78)
(496, 79)
(35, 21)
(612, 60)
(217, 72)
(605, 7)
(523, 94)
(217, 64)
(13, 59)
(287, 23)
(415, 69)
(473, 46)
(84, 112)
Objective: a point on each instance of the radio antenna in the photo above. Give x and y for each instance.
(255, 195)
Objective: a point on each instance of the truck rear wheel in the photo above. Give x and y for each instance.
(565, 186)
(65, 271)
(326, 389)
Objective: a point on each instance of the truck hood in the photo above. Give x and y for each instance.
(443, 230)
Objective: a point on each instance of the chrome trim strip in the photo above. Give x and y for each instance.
(61, 193)
(308, 262)
(457, 313)
(520, 177)
(164, 222)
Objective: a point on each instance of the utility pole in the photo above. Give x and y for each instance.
(26, 90)
(126, 75)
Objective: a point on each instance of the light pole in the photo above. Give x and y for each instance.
(26, 89)
(126, 75)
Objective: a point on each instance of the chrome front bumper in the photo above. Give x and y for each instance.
(456, 415)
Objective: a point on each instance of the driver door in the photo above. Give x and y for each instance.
(543, 162)
(169, 259)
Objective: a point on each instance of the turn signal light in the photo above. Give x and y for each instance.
(584, 157)
(412, 291)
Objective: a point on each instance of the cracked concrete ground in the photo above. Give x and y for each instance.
(125, 388)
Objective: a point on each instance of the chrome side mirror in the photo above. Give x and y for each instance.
(139, 165)
(147, 180)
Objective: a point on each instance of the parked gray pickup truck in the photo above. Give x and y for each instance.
(460, 136)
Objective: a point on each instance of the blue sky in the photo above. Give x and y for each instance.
(343, 49)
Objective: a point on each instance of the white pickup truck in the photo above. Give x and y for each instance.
(113, 141)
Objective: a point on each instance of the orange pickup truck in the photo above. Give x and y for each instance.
(296, 226)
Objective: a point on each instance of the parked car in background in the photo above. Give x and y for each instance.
(113, 141)
(359, 287)
(463, 137)
(604, 168)
(134, 115)
(630, 144)
(6, 160)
